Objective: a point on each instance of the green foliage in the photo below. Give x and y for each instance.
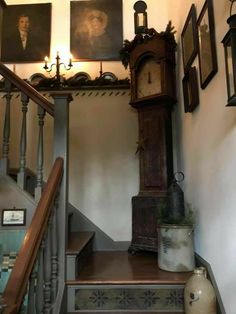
(187, 219)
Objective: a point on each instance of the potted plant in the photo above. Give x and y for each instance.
(175, 233)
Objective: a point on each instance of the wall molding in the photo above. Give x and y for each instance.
(201, 262)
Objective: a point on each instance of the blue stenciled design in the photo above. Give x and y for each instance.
(124, 298)
(99, 298)
(150, 298)
(175, 298)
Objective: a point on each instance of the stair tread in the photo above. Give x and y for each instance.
(117, 268)
(78, 240)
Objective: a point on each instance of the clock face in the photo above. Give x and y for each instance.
(149, 78)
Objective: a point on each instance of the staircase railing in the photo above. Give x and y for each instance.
(44, 106)
(35, 270)
(48, 273)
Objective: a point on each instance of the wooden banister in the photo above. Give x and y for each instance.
(27, 89)
(17, 283)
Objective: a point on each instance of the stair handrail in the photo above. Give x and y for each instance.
(27, 89)
(16, 287)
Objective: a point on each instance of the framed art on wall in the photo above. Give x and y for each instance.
(96, 29)
(13, 217)
(189, 38)
(190, 90)
(207, 45)
(26, 33)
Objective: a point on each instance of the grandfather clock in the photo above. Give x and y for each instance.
(151, 58)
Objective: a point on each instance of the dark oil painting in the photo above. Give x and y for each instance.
(96, 29)
(26, 33)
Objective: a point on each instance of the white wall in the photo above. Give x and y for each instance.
(206, 150)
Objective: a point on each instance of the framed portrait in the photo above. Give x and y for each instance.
(207, 45)
(189, 38)
(26, 33)
(190, 90)
(13, 217)
(96, 31)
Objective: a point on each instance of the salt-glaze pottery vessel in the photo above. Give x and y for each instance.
(199, 294)
(175, 248)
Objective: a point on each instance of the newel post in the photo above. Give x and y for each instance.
(61, 149)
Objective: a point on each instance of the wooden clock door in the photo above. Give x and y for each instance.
(156, 154)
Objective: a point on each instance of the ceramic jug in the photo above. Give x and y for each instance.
(199, 295)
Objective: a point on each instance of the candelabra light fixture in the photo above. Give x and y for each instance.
(58, 77)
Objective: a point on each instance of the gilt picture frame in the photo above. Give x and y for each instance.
(26, 33)
(189, 39)
(96, 31)
(207, 44)
(14, 217)
(190, 90)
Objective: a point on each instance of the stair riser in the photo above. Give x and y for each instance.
(127, 298)
(76, 260)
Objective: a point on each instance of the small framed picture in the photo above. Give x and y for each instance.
(13, 217)
(207, 45)
(190, 90)
(189, 38)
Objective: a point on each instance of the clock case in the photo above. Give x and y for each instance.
(160, 47)
(155, 136)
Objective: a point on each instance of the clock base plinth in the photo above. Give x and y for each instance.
(145, 212)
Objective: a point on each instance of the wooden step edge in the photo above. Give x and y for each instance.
(125, 282)
(134, 312)
(77, 241)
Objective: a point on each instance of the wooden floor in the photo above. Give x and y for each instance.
(124, 268)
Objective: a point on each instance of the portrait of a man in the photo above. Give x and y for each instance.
(26, 33)
(96, 29)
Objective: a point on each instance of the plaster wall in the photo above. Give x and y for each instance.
(205, 149)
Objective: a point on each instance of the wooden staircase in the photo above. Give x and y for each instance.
(118, 282)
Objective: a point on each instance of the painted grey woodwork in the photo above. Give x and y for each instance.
(6, 128)
(40, 154)
(39, 288)
(61, 149)
(47, 271)
(54, 235)
(23, 141)
(31, 294)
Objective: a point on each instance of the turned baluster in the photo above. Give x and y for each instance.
(7, 128)
(40, 284)
(31, 292)
(40, 154)
(47, 269)
(23, 142)
(54, 230)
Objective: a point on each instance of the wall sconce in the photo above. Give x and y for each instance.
(229, 42)
(59, 79)
(140, 17)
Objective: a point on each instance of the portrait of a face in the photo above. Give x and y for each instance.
(96, 29)
(26, 33)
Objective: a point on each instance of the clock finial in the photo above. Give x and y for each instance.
(140, 17)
